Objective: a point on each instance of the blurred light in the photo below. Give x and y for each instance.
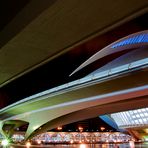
(5, 142)
(28, 144)
(118, 140)
(39, 141)
(59, 128)
(80, 129)
(102, 128)
(146, 138)
(104, 145)
(146, 130)
(82, 146)
(132, 144)
(71, 141)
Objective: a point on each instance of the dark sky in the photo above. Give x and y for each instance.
(90, 125)
(9, 9)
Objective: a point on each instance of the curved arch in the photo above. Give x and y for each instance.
(135, 40)
(126, 58)
(9, 126)
(90, 112)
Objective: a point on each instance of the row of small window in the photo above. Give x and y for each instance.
(142, 38)
(139, 116)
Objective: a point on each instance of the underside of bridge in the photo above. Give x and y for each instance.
(118, 87)
(65, 61)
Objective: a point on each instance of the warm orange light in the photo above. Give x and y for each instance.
(39, 142)
(59, 128)
(102, 128)
(82, 146)
(28, 144)
(80, 129)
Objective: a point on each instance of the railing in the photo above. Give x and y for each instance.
(97, 76)
(77, 137)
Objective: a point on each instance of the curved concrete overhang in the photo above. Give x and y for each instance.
(92, 112)
(94, 94)
(42, 31)
(133, 41)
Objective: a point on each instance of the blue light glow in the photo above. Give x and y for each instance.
(142, 38)
(109, 121)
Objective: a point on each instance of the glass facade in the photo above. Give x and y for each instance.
(142, 38)
(132, 118)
